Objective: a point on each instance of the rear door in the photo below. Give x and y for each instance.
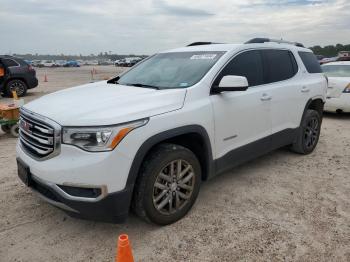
(285, 88)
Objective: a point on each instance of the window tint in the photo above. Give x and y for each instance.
(279, 65)
(248, 64)
(9, 62)
(310, 62)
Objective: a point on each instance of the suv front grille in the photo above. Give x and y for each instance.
(37, 137)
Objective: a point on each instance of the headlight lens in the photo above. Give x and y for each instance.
(97, 139)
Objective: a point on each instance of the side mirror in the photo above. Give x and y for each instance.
(231, 83)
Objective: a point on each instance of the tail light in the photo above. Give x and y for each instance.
(347, 89)
(30, 68)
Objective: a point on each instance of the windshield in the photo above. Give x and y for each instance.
(336, 70)
(171, 70)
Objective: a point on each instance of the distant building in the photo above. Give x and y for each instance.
(344, 54)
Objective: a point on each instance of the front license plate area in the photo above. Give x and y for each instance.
(24, 173)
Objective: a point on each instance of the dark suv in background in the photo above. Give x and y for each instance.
(17, 75)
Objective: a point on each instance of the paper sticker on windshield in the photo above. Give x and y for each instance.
(204, 56)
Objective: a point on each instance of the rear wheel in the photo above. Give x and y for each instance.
(309, 133)
(16, 85)
(168, 184)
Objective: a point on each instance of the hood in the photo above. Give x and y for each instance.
(336, 86)
(106, 104)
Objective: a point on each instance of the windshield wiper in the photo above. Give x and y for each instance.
(143, 85)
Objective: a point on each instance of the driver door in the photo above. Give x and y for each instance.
(242, 118)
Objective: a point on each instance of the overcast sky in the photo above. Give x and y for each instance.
(146, 26)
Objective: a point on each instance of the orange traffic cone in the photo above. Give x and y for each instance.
(124, 253)
(45, 78)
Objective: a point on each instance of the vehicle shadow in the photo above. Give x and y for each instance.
(336, 115)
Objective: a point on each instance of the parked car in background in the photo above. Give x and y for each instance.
(36, 63)
(338, 94)
(105, 62)
(328, 60)
(148, 138)
(128, 61)
(344, 56)
(71, 63)
(17, 76)
(92, 62)
(48, 63)
(320, 57)
(60, 63)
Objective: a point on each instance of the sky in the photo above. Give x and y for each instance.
(148, 26)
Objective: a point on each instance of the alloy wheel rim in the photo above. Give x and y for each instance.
(173, 187)
(311, 132)
(18, 87)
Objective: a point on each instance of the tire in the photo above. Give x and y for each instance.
(16, 85)
(309, 133)
(6, 128)
(153, 189)
(14, 130)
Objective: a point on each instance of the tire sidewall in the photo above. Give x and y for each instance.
(308, 115)
(153, 169)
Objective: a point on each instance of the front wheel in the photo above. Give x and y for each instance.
(309, 133)
(168, 184)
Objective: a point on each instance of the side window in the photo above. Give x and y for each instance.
(310, 62)
(248, 64)
(9, 62)
(279, 65)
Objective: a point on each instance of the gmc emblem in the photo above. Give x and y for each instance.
(25, 126)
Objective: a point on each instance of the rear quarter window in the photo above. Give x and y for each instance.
(310, 62)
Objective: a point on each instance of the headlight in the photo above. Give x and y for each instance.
(96, 139)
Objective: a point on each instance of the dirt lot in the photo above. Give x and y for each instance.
(280, 207)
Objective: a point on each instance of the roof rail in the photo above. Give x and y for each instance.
(265, 40)
(202, 43)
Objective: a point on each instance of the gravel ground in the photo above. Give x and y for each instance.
(280, 207)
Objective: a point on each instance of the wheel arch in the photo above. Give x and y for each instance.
(193, 137)
(315, 104)
(15, 78)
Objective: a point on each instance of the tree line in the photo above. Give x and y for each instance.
(330, 50)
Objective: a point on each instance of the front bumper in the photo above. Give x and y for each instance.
(112, 207)
(74, 168)
(341, 103)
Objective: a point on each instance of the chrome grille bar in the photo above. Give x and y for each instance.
(40, 137)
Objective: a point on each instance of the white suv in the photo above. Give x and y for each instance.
(147, 139)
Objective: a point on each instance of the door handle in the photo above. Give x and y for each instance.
(265, 97)
(304, 89)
